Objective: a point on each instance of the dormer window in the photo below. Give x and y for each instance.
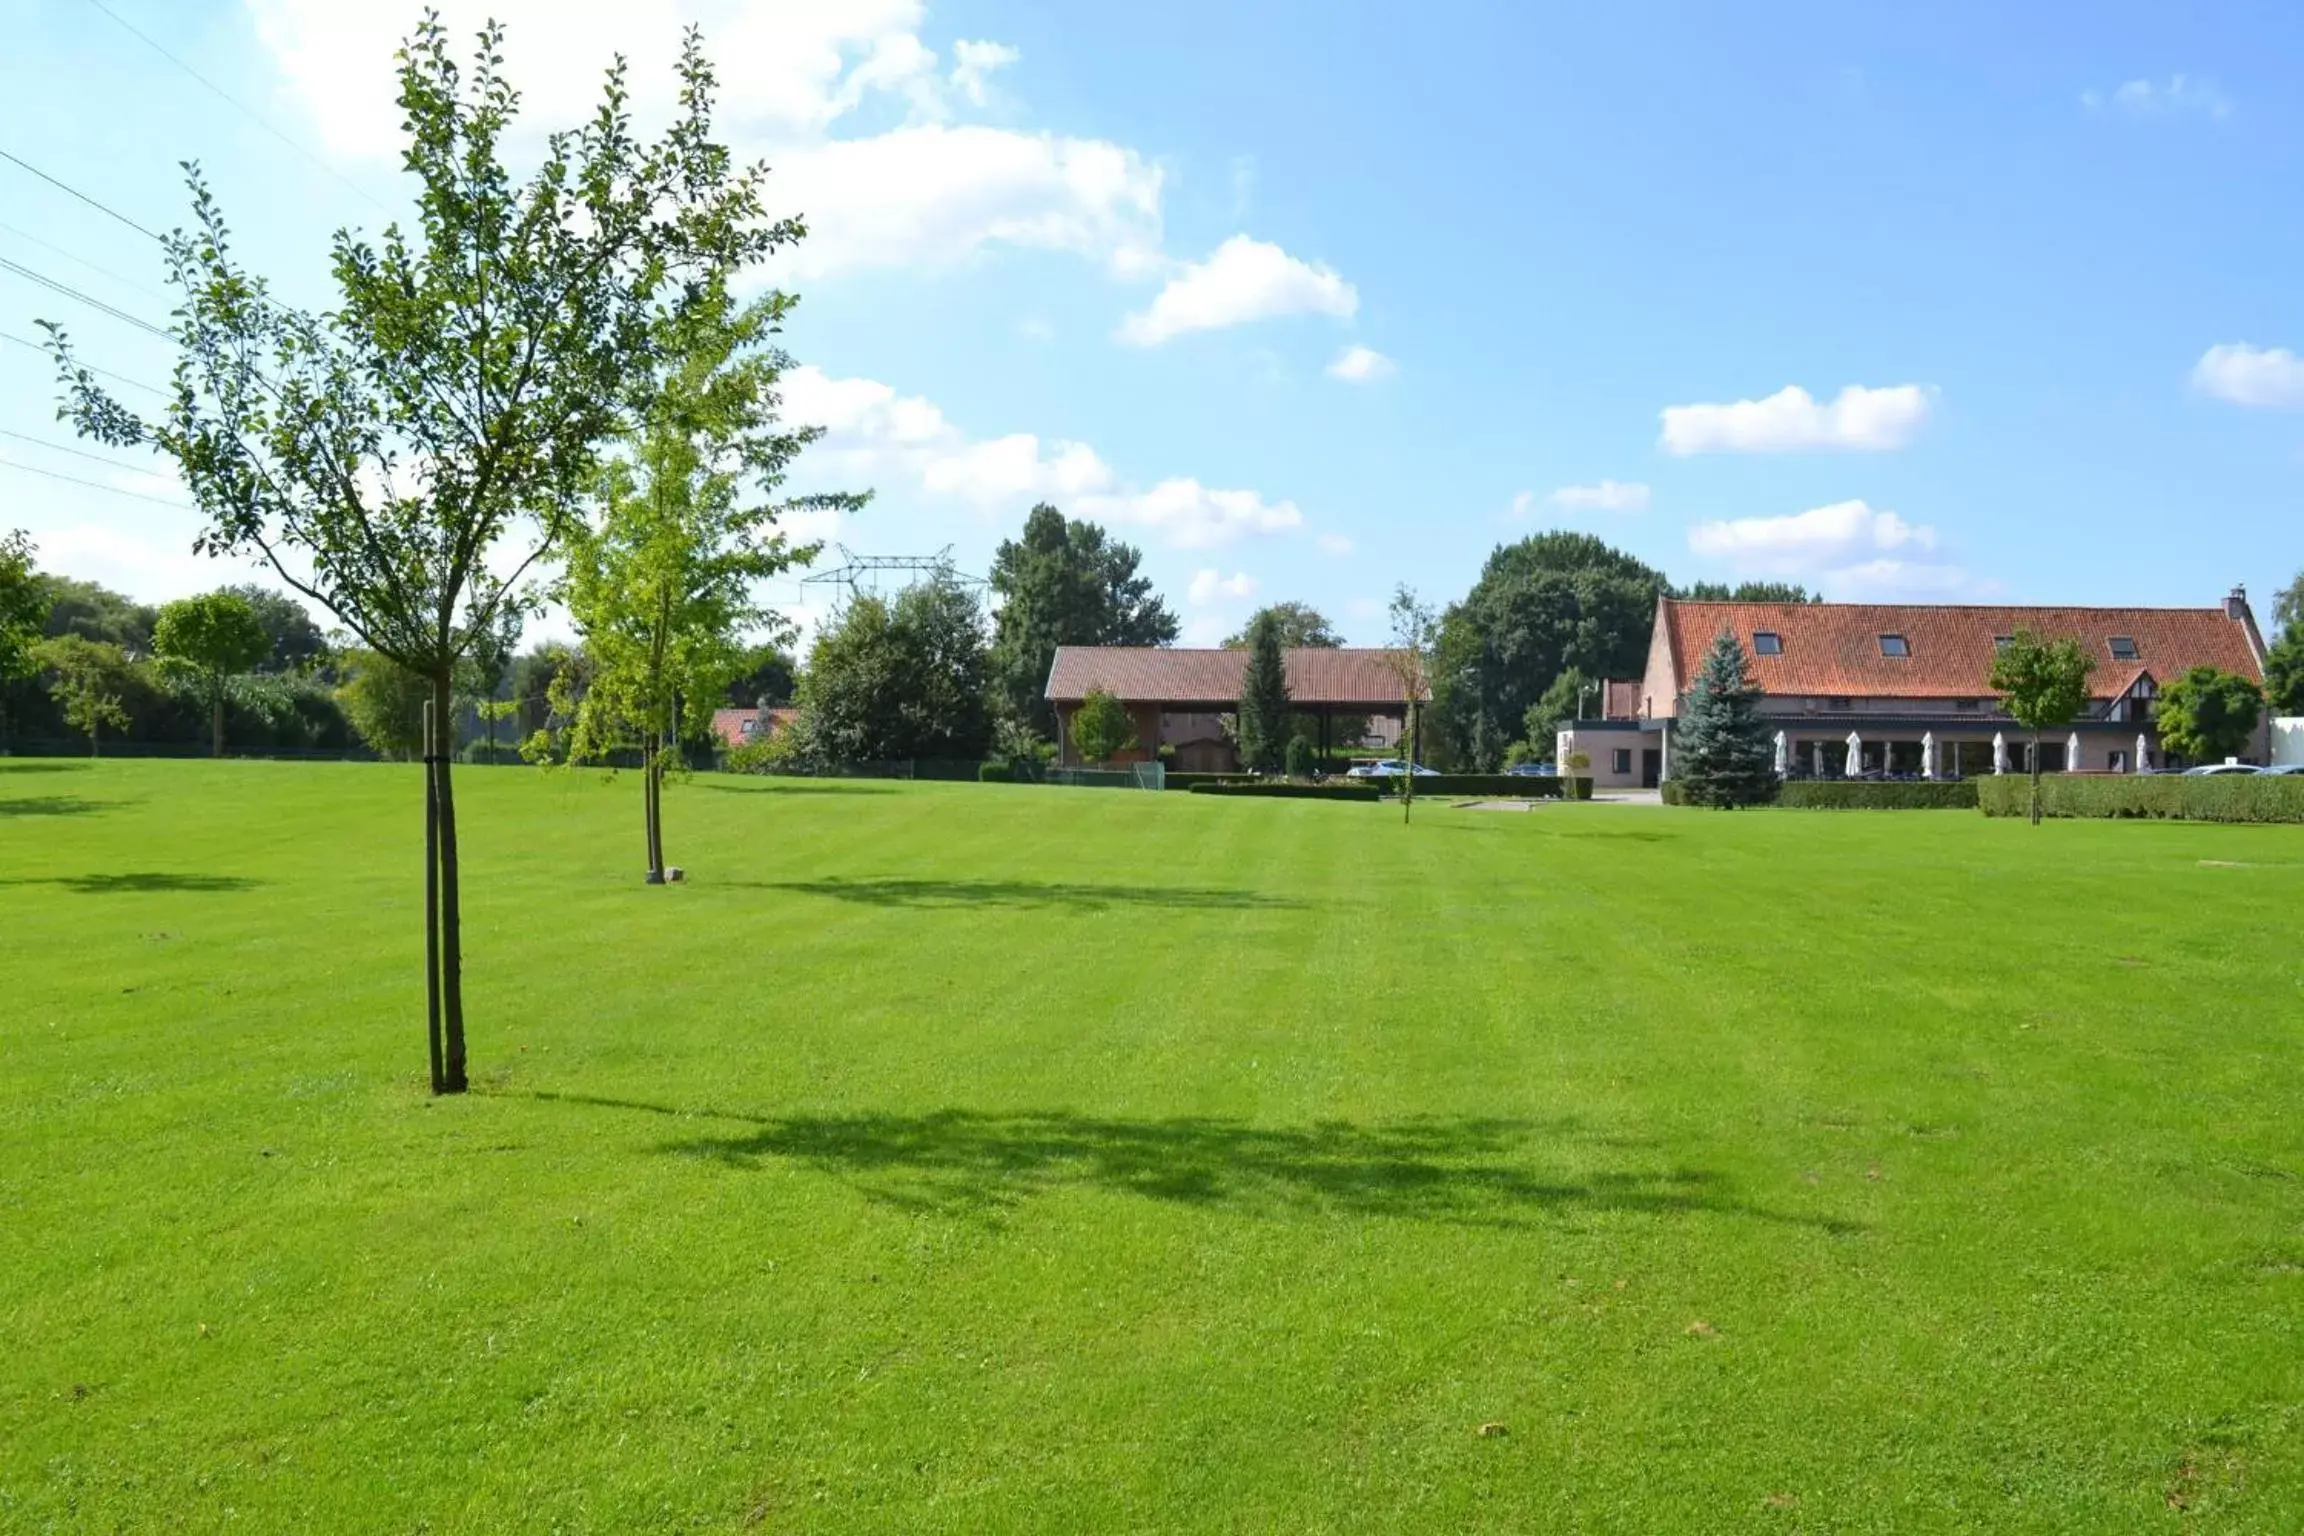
(1767, 642)
(2002, 642)
(1895, 646)
(2123, 648)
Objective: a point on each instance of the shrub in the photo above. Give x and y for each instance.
(995, 773)
(1580, 788)
(1352, 791)
(1298, 758)
(1880, 795)
(1513, 786)
(2174, 797)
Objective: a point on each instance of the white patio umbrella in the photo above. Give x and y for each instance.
(1783, 754)
(1819, 746)
(2143, 758)
(2072, 753)
(1999, 753)
(1855, 755)
(1927, 754)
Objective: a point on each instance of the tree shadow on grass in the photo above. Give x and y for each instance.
(1457, 1171)
(39, 765)
(139, 882)
(1025, 893)
(54, 805)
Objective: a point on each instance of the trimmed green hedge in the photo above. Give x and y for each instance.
(995, 773)
(1880, 795)
(2173, 797)
(1285, 791)
(1513, 786)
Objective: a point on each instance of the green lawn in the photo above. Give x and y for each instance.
(984, 1158)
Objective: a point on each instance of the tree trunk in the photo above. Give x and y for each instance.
(216, 718)
(453, 1078)
(2035, 778)
(432, 900)
(651, 806)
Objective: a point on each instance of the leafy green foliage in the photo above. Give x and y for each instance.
(86, 678)
(1101, 729)
(2208, 714)
(95, 612)
(1561, 704)
(995, 773)
(2043, 685)
(2284, 672)
(2159, 796)
(765, 678)
(1351, 791)
(1722, 755)
(384, 702)
(1749, 592)
(1878, 795)
(24, 605)
(901, 679)
(2288, 605)
(1300, 626)
(1299, 758)
(298, 643)
(1064, 582)
(211, 639)
(1549, 603)
(1263, 725)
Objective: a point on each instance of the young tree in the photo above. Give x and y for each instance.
(211, 639)
(86, 678)
(2208, 714)
(1063, 582)
(1410, 663)
(1101, 729)
(1723, 755)
(382, 454)
(2043, 684)
(661, 584)
(1262, 729)
(23, 615)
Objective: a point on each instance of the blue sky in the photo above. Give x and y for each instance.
(1978, 302)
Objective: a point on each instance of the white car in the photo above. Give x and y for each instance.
(1390, 767)
(2210, 770)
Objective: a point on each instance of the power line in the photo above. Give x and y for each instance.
(26, 341)
(125, 282)
(78, 453)
(95, 485)
(76, 192)
(92, 302)
(236, 105)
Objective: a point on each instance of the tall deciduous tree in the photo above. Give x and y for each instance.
(211, 639)
(1550, 602)
(298, 644)
(1409, 660)
(2284, 672)
(1300, 625)
(2208, 713)
(2043, 684)
(1750, 592)
(439, 423)
(1722, 754)
(901, 679)
(87, 678)
(1064, 582)
(662, 583)
(1262, 729)
(23, 615)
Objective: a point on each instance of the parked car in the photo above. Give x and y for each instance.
(2286, 768)
(1534, 770)
(1389, 767)
(2210, 770)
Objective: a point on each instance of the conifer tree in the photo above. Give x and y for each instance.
(1721, 752)
(1263, 720)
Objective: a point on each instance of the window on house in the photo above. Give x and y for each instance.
(1968, 704)
(2123, 648)
(1841, 703)
(1621, 762)
(1895, 645)
(1767, 642)
(2002, 642)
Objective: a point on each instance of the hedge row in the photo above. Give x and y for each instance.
(1878, 795)
(2217, 797)
(1516, 786)
(1351, 790)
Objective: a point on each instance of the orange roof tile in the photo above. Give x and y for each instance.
(1833, 649)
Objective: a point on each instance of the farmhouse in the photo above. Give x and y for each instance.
(1902, 688)
(1178, 697)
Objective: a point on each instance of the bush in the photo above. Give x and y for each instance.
(1298, 758)
(1358, 791)
(1880, 795)
(1580, 788)
(1514, 786)
(2173, 797)
(995, 773)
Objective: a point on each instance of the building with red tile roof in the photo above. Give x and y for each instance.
(1176, 695)
(1905, 686)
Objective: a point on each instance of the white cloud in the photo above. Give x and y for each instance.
(925, 191)
(2250, 375)
(1849, 549)
(1360, 365)
(1335, 544)
(1211, 586)
(1601, 496)
(974, 65)
(876, 437)
(1242, 281)
(1790, 419)
(2189, 95)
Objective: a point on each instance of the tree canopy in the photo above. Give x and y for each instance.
(1063, 581)
(87, 678)
(906, 678)
(23, 615)
(1101, 729)
(1541, 606)
(299, 644)
(2043, 684)
(211, 639)
(1262, 722)
(1722, 754)
(1749, 592)
(1299, 626)
(2284, 672)
(2208, 714)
